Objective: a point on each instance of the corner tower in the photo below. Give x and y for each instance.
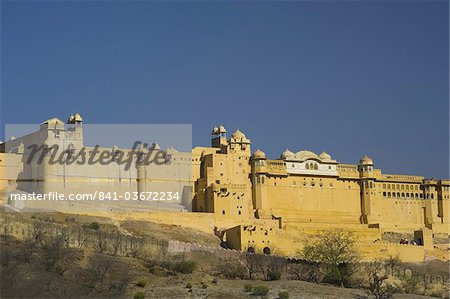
(370, 205)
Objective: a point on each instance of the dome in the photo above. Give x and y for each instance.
(77, 117)
(305, 155)
(366, 161)
(215, 130)
(222, 129)
(259, 154)
(287, 154)
(325, 156)
(238, 135)
(71, 119)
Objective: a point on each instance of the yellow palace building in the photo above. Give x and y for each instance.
(254, 203)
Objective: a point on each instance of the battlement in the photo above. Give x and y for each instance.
(402, 178)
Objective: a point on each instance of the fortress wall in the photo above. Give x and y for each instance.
(200, 221)
(402, 213)
(315, 199)
(383, 250)
(361, 231)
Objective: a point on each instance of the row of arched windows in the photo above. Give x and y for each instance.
(401, 187)
(407, 195)
(312, 166)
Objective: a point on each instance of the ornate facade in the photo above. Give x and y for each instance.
(276, 199)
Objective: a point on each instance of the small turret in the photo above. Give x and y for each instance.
(75, 121)
(219, 137)
(259, 155)
(365, 166)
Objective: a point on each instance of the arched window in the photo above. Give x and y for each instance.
(307, 166)
(266, 250)
(316, 167)
(251, 250)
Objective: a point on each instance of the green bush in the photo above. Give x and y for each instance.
(94, 225)
(283, 295)
(248, 287)
(141, 283)
(232, 270)
(274, 275)
(188, 285)
(185, 267)
(139, 295)
(260, 291)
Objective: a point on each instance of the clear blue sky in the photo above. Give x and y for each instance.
(347, 77)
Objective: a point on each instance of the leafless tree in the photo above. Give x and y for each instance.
(163, 253)
(52, 251)
(116, 241)
(306, 271)
(250, 262)
(80, 236)
(66, 235)
(101, 242)
(107, 275)
(377, 284)
(97, 272)
(136, 246)
(5, 225)
(38, 231)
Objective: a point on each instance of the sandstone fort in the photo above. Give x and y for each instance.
(252, 203)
